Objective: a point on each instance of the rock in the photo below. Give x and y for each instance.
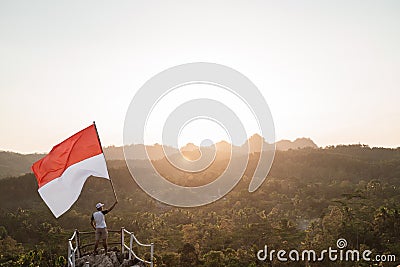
(131, 263)
(107, 260)
(114, 259)
(101, 260)
(126, 263)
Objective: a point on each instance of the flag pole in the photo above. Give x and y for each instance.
(98, 137)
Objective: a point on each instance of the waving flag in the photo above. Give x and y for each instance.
(62, 173)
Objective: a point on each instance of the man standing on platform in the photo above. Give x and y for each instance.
(98, 222)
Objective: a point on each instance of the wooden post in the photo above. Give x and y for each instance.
(78, 243)
(151, 254)
(130, 247)
(69, 253)
(122, 241)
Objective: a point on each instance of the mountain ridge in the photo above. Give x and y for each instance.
(14, 164)
(254, 143)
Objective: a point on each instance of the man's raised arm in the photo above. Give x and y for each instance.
(115, 203)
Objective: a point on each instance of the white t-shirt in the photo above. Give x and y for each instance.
(100, 219)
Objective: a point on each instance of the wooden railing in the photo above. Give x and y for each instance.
(129, 248)
(73, 251)
(76, 248)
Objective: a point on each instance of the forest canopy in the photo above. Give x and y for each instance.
(311, 198)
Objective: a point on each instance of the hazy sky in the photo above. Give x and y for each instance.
(329, 70)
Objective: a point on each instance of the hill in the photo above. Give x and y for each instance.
(255, 142)
(299, 143)
(15, 164)
(311, 198)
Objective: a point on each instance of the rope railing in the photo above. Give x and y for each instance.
(130, 251)
(73, 251)
(76, 252)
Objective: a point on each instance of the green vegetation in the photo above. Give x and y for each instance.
(311, 198)
(15, 164)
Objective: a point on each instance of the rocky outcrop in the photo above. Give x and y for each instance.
(111, 259)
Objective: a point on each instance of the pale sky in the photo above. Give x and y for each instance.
(329, 70)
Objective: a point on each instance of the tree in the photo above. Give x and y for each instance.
(214, 259)
(188, 256)
(9, 250)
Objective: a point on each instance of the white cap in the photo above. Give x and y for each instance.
(99, 205)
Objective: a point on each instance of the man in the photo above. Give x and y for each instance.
(98, 222)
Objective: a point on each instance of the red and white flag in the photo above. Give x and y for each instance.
(62, 173)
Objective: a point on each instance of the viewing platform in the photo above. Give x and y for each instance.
(123, 250)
